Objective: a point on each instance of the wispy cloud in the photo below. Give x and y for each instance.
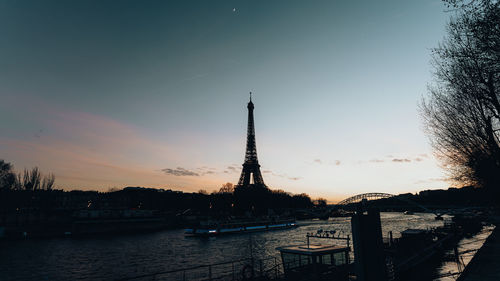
(198, 172)
(391, 158)
(233, 168)
(90, 150)
(401, 160)
(179, 171)
(332, 163)
(430, 180)
(206, 170)
(269, 172)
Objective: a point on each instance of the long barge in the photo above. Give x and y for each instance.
(222, 229)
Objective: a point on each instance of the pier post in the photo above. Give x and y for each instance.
(368, 246)
(275, 268)
(260, 267)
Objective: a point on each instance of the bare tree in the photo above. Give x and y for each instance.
(48, 182)
(203, 191)
(227, 188)
(18, 185)
(31, 179)
(462, 112)
(26, 183)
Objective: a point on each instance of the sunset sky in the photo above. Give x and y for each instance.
(108, 94)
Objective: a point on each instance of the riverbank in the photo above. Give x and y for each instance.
(484, 264)
(27, 224)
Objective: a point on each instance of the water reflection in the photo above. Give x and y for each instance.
(112, 257)
(467, 248)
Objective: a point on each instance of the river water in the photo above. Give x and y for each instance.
(124, 256)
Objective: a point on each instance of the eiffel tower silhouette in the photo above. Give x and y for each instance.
(251, 175)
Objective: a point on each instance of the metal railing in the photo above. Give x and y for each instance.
(270, 268)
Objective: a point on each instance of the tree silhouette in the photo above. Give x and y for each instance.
(48, 182)
(462, 112)
(31, 179)
(7, 177)
(227, 188)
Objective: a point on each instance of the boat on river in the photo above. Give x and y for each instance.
(412, 254)
(317, 261)
(215, 229)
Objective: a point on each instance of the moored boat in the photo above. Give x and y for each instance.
(414, 251)
(215, 229)
(317, 261)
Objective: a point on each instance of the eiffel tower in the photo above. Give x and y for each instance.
(251, 175)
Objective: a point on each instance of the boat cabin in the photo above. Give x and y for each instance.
(315, 262)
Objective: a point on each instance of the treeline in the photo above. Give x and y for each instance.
(31, 190)
(258, 200)
(238, 202)
(26, 180)
(450, 198)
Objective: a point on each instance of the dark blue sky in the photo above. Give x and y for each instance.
(145, 85)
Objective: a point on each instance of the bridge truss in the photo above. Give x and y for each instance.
(367, 196)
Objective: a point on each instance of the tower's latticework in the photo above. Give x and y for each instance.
(250, 175)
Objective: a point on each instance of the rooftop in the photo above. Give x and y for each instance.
(313, 249)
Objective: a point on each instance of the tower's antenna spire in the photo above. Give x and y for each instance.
(250, 96)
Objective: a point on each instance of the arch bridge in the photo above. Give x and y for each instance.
(367, 196)
(378, 195)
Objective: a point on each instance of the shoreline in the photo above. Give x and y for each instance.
(484, 264)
